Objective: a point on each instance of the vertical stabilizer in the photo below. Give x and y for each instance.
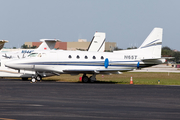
(2, 42)
(153, 44)
(98, 42)
(47, 44)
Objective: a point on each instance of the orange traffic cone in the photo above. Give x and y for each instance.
(131, 80)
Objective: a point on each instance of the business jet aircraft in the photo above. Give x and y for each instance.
(47, 44)
(97, 45)
(75, 62)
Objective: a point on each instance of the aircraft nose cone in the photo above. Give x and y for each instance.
(11, 64)
(19, 64)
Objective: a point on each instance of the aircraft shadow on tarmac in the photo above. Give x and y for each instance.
(95, 82)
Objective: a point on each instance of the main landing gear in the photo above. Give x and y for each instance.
(85, 78)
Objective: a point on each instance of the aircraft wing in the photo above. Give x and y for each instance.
(91, 71)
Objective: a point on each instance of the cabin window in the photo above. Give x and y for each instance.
(77, 57)
(94, 57)
(102, 57)
(69, 56)
(86, 57)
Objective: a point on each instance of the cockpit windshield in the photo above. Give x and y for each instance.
(36, 54)
(33, 55)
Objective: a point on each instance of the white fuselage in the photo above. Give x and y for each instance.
(74, 61)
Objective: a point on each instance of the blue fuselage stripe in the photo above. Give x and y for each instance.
(99, 63)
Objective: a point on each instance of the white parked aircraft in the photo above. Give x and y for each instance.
(97, 44)
(75, 62)
(47, 44)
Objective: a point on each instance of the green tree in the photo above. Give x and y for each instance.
(33, 47)
(132, 48)
(177, 56)
(116, 48)
(24, 46)
(166, 52)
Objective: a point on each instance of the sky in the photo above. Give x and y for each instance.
(126, 22)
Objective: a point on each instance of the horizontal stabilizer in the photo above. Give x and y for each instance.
(157, 60)
(150, 59)
(168, 58)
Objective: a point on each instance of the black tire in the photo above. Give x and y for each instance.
(38, 78)
(33, 79)
(85, 79)
(91, 81)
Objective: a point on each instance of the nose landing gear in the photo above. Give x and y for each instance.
(35, 78)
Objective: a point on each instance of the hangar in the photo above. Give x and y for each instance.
(81, 44)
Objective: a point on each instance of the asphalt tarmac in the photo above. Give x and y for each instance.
(22, 100)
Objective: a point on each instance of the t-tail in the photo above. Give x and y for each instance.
(98, 42)
(2, 42)
(151, 47)
(47, 44)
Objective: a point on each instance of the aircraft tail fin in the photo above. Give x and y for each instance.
(98, 42)
(47, 44)
(2, 42)
(153, 44)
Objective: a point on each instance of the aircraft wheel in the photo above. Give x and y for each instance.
(33, 79)
(85, 79)
(91, 79)
(39, 78)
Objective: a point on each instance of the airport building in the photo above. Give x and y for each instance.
(82, 44)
